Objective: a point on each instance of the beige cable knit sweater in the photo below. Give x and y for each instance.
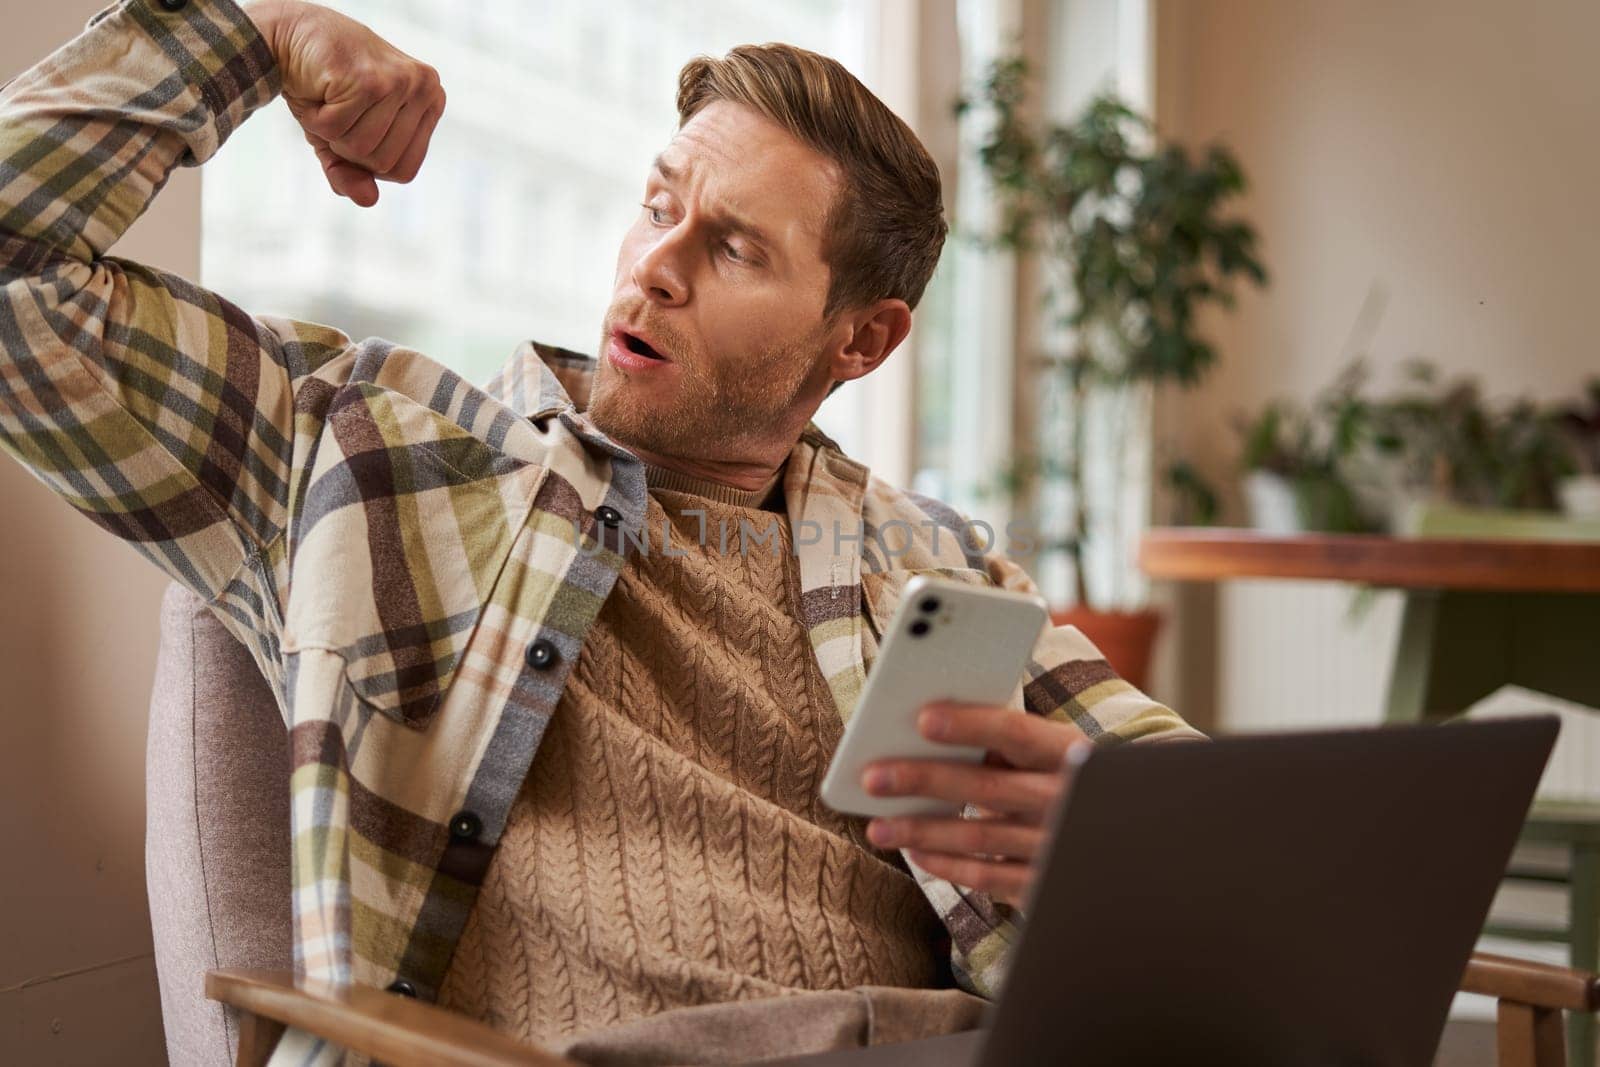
(668, 847)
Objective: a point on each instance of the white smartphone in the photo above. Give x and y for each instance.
(947, 641)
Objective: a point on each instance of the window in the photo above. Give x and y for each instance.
(966, 352)
(511, 230)
(984, 329)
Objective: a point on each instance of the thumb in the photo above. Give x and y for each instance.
(344, 177)
(349, 180)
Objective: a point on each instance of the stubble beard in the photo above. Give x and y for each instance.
(714, 412)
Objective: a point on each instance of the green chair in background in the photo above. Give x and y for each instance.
(1457, 647)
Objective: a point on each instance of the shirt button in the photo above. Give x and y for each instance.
(541, 654)
(465, 825)
(403, 987)
(608, 515)
(173, 5)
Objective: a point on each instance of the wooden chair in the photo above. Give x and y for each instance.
(1532, 997)
(1458, 646)
(398, 1031)
(1575, 828)
(1489, 599)
(219, 889)
(402, 1032)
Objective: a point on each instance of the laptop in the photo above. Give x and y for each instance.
(1282, 900)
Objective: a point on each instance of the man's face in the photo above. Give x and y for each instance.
(714, 344)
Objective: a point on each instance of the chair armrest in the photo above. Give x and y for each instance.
(1541, 985)
(408, 1033)
(397, 1030)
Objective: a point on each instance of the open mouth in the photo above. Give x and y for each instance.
(639, 348)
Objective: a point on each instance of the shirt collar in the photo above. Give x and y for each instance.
(541, 380)
(824, 495)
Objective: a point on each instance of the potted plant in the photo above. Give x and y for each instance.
(1135, 241)
(1291, 484)
(1580, 493)
(1456, 449)
(1296, 461)
(1351, 460)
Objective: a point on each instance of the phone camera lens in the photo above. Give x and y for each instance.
(919, 628)
(930, 605)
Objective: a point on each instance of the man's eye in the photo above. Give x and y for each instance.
(732, 252)
(654, 213)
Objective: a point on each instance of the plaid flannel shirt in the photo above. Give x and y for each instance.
(412, 561)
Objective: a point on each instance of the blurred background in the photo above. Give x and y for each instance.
(1275, 263)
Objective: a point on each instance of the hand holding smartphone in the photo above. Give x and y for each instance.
(947, 641)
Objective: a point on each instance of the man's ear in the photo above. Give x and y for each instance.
(870, 334)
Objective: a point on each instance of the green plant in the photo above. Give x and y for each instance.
(1454, 444)
(1136, 240)
(1311, 448)
(1581, 422)
(1195, 502)
(1439, 437)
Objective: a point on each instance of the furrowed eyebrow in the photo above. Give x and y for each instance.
(734, 224)
(730, 222)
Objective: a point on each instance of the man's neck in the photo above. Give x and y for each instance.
(745, 474)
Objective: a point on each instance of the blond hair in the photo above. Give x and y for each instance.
(883, 234)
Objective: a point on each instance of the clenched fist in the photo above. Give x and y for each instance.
(367, 108)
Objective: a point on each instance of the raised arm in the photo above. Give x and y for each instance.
(160, 410)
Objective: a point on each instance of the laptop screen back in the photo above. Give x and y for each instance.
(1286, 899)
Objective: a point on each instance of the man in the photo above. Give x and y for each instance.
(547, 769)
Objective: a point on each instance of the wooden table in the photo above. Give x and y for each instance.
(1478, 613)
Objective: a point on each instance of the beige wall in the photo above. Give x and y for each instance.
(1437, 153)
(1433, 160)
(77, 650)
(1438, 156)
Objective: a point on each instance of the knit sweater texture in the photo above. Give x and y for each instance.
(668, 848)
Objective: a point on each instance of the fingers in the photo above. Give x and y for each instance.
(346, 179)
(994, 838)
(409, 161)
(1004, 881)
(384, 138)
(1015, 792)
(394, 144)
(1022, 740)
(329, 120)
(1018, 785)
(361, 142)
(388, 135)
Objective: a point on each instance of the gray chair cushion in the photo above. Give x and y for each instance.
(216, 825)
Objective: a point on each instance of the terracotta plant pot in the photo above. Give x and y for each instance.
(1125, 638)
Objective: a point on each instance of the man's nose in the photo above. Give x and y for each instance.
(659, 272)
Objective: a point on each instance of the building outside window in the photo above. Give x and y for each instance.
(510, 232)
(556, 108)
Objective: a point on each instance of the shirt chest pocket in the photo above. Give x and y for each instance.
(405, 524)
(882, 591)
